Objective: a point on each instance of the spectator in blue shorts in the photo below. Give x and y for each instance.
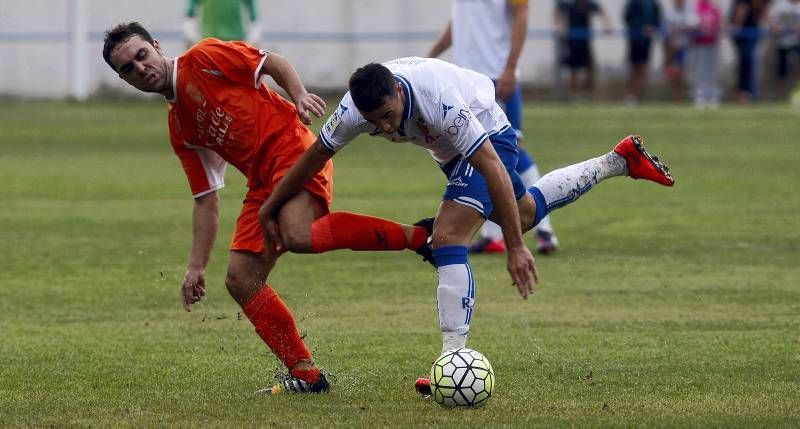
(642, 19)
(573, 22)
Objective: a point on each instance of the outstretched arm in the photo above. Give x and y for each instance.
(444, 42)
(507, 81)
(309, 164)
(284, 74)
(205, 221)
(520, 260)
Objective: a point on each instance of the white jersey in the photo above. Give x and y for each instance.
(449, 111)
(481, 35)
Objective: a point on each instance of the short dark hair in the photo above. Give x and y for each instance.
(369, 85)
(120, 34)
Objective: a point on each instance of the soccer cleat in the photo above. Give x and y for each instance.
(546, 242)
(423, 386)
(640, 164)
(425, 250)
(488, 245)
(292, 384)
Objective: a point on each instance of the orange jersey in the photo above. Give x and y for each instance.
(222, 113)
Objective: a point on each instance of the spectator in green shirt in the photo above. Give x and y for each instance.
(221, 19)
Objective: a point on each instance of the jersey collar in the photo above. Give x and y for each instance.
(408, 106)
(174, 82)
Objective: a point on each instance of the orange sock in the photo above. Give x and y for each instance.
(343, 230)
(275, 325)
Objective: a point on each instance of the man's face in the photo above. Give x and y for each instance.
(389, 115)
(141, 64)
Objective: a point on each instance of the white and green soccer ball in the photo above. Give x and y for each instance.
(462, 378)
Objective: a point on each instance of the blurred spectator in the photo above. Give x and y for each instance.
(705, 58)
(679, 21)
(573, 22)
(221, 19)
(487, 36)
(746, 17)
(784, 25)
(642, 19)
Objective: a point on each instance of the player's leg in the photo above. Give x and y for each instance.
(565, 185)
(248, 270)
(466, 203)
(455, 294)
(308, 227)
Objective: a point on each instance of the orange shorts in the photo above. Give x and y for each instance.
(280, 156)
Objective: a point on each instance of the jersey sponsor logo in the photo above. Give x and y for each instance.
(213, 124)
(335, 119)
(461, 120)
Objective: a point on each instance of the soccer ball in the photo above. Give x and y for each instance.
(462, 378)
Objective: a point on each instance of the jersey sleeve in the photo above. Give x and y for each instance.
(458, 123)
(345, 124)
(204, 168)
(238, 62)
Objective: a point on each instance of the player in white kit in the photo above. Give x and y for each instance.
(451, 112)
(487, 36)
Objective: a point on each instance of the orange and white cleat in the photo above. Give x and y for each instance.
(640, 164)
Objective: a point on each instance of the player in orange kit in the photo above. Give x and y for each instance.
(220, 113)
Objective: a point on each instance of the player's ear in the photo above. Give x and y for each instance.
(157, 46)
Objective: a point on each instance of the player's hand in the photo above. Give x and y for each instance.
(309, 104)
(272, 237)
(193, 288)
(506, 85)
(523, 270)
(270, 228)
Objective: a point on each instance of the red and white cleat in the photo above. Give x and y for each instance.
(487, 245)
(640, 164)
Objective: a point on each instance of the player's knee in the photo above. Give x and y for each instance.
(236, 283)
(296, 239)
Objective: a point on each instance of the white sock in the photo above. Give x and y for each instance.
(565, 185)
(455, 296)
(491, 231)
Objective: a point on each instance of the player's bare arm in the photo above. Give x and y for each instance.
(519, 31)
(284, 74)
(520, 260)
(444, 42)
(309, 164)
(205, 222)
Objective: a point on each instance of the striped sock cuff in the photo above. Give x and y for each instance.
(450, 255)
(541, 204)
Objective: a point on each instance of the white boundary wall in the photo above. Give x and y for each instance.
(325, 39)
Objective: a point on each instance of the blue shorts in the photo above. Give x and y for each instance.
(466, 186)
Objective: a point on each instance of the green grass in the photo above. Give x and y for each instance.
(666, 307)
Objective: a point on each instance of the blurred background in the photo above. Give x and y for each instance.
(52, 48)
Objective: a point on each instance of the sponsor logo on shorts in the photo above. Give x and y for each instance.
(457, 182)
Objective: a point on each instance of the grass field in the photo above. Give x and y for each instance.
(667, 307)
